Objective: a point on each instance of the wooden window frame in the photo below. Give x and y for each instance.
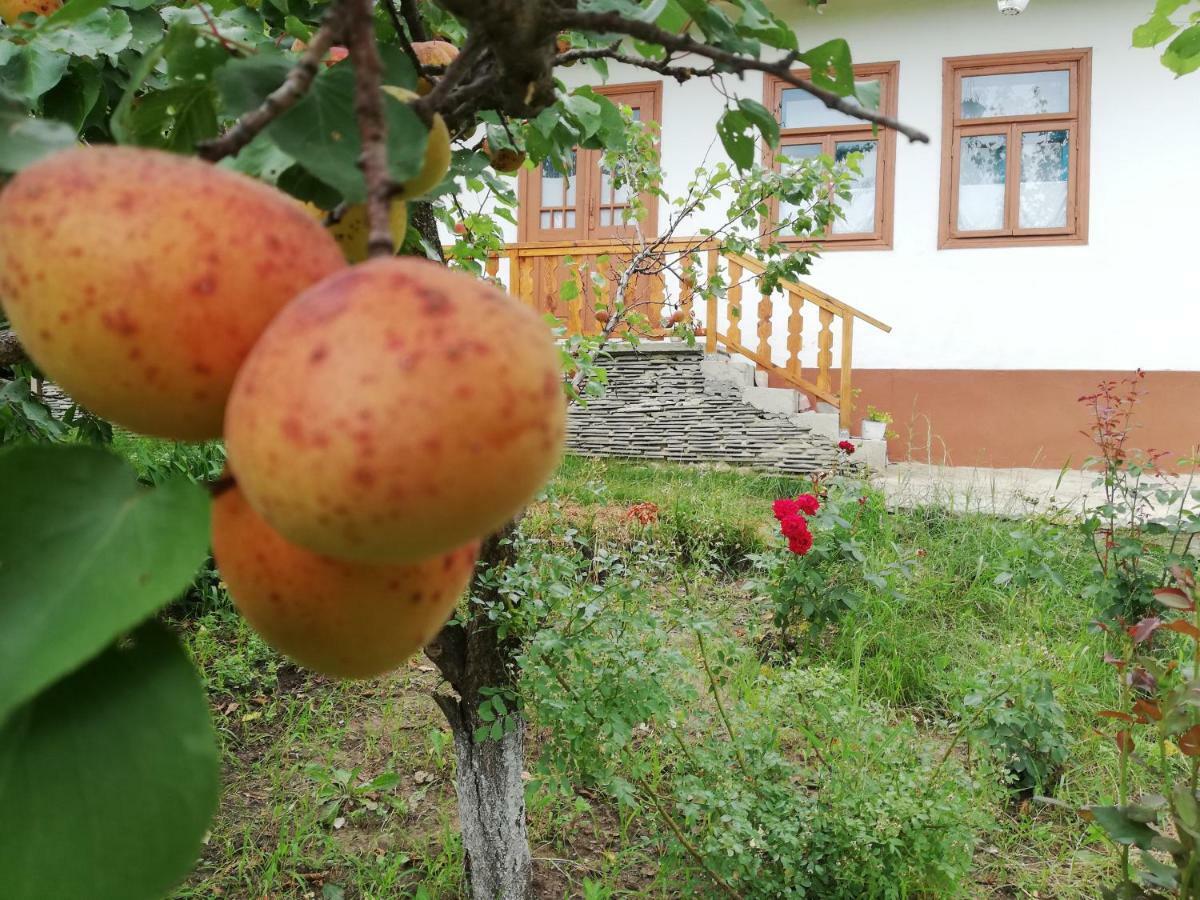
(587, 216)
(1076, 122)
(828, 136)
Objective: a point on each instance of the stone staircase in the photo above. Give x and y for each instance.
(673, 402)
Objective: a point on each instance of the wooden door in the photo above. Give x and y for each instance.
(575, 205)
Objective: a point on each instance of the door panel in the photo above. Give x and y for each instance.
(583, 206)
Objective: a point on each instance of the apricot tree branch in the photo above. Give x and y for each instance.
(402, 34)
(614, 23)
(412, 18)
(372, 127)
(299, 79)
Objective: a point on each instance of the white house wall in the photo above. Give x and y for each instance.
(1128, 298)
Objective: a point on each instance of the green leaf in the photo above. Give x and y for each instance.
(1123, 829)
(245, 83)
(831, 67)
(25, 140)
(74, 10)
(321, 133)
(109, 778)
(96, 554)
(103, 32)
(31, 70)
(1157, 29)
(762, 119)
(73, 98)
(1183, 54)
(732, 128)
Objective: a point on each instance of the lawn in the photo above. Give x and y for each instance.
(656, 680)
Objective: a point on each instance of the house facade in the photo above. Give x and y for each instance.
(1044, 239)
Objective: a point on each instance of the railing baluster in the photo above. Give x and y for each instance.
(525, 265)
(687, 286)
(846, 392)
(574, 320)
(656, 292)
(795, 340)
(710, 311)
(825, 350)
(764, 325)
(735, 302)
(492, 266)
(514, 271)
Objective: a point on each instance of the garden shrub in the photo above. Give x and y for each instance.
(1013, 719)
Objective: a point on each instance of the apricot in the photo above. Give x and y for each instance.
(351, 231)
(396, 410)
(437, 153)
(504, 159)
(344, 619)
(138, 280)
(432, 53)
(10, 10)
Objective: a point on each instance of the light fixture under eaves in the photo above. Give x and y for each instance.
(1012, 7)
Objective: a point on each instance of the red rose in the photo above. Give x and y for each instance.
(793, 526)
(846, 447)
(802, 543)
(785, 508)
(808, 504)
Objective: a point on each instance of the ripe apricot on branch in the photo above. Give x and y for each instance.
(138, 280)
(10, 10)
(437, 153)
(432, 53)
(504, 159)
(343, 619)
(396, 410)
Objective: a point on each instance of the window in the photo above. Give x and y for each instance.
(1015, 149)
(809, 128)
(583, 203)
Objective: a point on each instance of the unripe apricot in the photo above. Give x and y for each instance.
(10, 10)
(138, 280)
(437, 153)
(351, 230)
(395, 411)
(344, 619)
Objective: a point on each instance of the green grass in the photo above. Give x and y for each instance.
(976, 593)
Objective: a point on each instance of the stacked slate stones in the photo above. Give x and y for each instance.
(659, 405)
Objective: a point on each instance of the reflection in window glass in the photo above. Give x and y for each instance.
(558, 190)
(858, 213)
(982, 161)
(1045, 165)
(1016, 94)
(795, 153)
(800, 109)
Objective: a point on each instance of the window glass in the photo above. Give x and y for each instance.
(982, 161)
(800, 109)
(558, 190)
(795, 153)
(858, 213)
(1016, 94)
(1045, 169)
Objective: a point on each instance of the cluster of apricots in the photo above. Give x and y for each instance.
(380, 416)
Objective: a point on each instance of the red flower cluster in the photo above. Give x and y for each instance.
(793, 523)
(846, 447)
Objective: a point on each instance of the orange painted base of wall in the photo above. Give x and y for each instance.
(1008, 418)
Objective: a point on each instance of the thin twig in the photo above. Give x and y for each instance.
(412, 17)
(279, 101)
(372, 127)
(402, 34)
(614, 23)
(459, 66)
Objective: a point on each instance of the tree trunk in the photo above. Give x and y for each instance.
(491, 792)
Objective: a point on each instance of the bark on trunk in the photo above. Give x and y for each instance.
(491, 808)
(491, 792)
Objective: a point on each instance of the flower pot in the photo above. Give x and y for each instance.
(873, 431)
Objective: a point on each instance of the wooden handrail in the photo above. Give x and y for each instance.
(526, 268)
(820, 298)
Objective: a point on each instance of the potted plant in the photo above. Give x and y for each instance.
(874, 426)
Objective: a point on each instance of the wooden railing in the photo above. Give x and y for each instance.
(534, 273)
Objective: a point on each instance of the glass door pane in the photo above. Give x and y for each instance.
(858, 213)
(558, 195)
(982, 163)
(1045, 171)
